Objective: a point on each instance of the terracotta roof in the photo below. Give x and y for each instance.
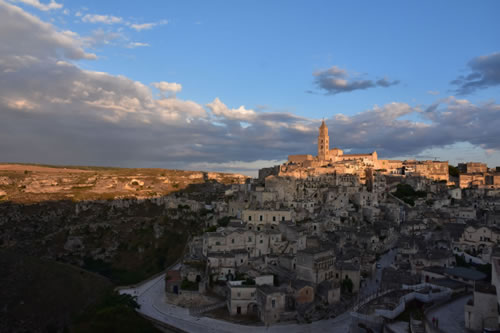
(174, 275)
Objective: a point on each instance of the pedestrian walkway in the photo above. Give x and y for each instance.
(450, 316)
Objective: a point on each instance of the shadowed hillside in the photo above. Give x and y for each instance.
(61, 224)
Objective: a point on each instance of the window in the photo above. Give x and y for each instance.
(273, 303)
(217, 243)
(260, 218)
(282, 218)
(249, 218)
(239, 294)
(249, 239)
(261, 241)
(274, 218)
(232, 240)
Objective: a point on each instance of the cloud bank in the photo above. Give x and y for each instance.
(53, 111)
(40, 6)
(484, 73)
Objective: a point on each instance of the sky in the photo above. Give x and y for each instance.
(239, 85)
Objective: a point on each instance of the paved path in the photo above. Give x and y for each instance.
(373, 283)
(451, 315)
(151, 298)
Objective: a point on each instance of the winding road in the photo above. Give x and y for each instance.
(151, 297)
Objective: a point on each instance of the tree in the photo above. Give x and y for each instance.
(453, 171)
(347, 285)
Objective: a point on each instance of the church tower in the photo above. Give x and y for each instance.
(323, 142)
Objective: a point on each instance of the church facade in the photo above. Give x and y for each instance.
(335, 161)
(326, 155)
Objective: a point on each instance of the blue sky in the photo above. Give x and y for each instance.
(280, 60)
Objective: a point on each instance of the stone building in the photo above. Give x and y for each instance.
(315, 264)
(467, 180)
(481, 312)
(257, 219)
(303, 291)
(241, 298)
(472, 167)
(271, 303)
(256, 243)
(348, 270)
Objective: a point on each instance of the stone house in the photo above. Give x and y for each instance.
(315, 264)
(476, 238)
(271, 303)
(257, 219)
(365, 199)
(173, 281)
(236, 207)
(287, 261)
(303, 291)
(328, 292)
(241, 298)
(348, 270)
(192, 272)
(432, 257)
(481, 312)
(455, 193)
(467, 180)
(413, 227)
(295, 236)
(256, 243)
(221, 264)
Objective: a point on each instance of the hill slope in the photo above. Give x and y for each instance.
(27, 183)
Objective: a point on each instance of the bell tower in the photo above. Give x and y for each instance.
(323, 142)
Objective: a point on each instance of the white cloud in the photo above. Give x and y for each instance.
(147, 26)
(433, 92)
(167, 87)
(220, 109)
(106, 19)
(143, 26)
(133, 45)
(101, 37)
(44, 7)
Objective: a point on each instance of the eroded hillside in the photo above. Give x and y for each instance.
(33, 183)
(124, 224)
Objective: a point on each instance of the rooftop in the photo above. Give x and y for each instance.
(465, 273)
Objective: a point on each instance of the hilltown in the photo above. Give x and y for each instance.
(323, 236)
